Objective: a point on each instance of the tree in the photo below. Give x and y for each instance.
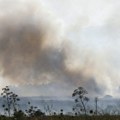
(80, 99)
(7, 99)
(10, 100)
(33, 111)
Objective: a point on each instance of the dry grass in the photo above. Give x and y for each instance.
(67, 118)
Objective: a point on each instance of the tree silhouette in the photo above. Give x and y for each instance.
(80, 99)
(10, 100)
(33, 111)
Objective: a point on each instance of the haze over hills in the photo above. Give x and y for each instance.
(65, 103)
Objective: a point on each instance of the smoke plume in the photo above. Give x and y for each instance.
(34, 52)
(28, 48)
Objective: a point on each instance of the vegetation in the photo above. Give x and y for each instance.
(10, 100)
(80, 100)
(81, 111)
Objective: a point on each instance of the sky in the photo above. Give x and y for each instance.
(51, 47)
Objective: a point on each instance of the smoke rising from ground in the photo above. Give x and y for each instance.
(33, 50)
(27, 50)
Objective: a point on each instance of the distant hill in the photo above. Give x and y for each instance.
(108, 97)
(58, 103)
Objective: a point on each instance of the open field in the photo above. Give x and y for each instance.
(66, 118)
(80, 118)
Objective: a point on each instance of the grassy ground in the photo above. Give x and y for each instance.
(66, 118)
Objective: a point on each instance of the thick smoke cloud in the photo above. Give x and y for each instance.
(24, 51)
(32, 52)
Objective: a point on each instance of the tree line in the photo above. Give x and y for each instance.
(11, 105)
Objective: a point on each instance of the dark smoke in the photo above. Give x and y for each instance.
(28, 55)
(23, 54)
